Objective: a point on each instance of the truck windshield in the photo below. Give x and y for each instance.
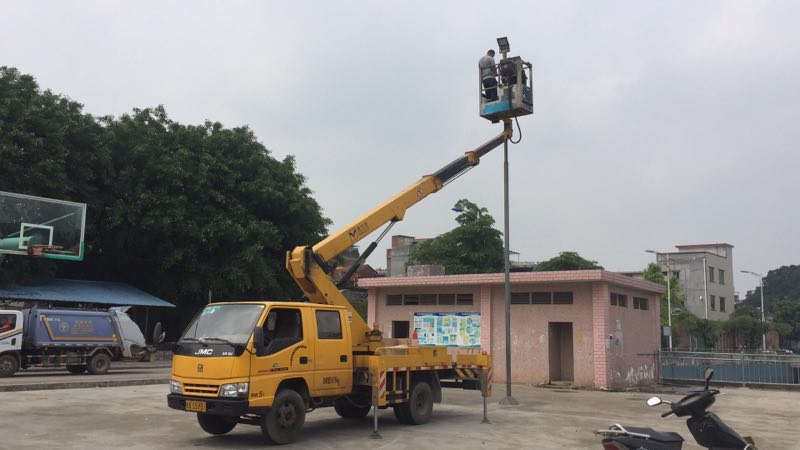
(233, 323)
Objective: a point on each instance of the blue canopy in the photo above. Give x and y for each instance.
(81, 291)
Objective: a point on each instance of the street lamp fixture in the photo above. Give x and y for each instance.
(502, 43)
(669, 294)
(761, 281)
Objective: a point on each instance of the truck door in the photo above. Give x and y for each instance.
(287, 353)
(10, 330)
(333, 370)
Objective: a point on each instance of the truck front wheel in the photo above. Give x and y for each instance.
(8, 365)
(285, 418)
(99, 363)
(347, 409)
(419, 407)
(215, 425)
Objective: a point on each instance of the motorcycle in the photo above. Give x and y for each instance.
(707, 428)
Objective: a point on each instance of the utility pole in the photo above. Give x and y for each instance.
(669, 294)
(761, 283)
(508, 400)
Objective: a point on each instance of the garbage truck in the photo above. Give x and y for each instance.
(79, 340)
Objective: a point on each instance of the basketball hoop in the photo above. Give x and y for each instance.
(39, 250)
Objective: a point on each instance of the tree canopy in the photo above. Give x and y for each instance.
(174, 209)
(474, 246)
(677, 298)
(567, 261)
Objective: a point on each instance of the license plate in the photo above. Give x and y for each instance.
(196, 406)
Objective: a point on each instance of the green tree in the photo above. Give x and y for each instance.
(474, 246)
(745, 323)
(677, 297)
(786, 319)
(703, 332)
(779, 284)
(567, 261)
(49, 148)
(199, 208)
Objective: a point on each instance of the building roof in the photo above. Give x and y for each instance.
(563, 276)
(721, 244)
(81, 291)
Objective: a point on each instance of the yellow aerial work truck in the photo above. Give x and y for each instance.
(268, 363)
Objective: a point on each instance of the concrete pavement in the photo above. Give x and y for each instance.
(136, 417)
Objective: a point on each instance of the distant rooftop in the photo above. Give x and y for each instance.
(689, 246)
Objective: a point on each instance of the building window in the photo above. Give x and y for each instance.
(400, 329)
(710, 274)
(446, 299)
(722, 304)
(562, 298)
(520, 298)
(463, 299)
(640, 303)
(541, 298)
(676, 274)
(411, 299)
(620, 300)
(429, 299)
(721, 276)
(713, 302)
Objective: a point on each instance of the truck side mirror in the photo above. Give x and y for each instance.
(158, 336)
(258, 341)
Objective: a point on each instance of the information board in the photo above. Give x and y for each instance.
(448, 329)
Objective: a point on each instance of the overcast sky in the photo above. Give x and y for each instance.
(656, 123)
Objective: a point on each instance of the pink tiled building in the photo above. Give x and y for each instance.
(591, 328)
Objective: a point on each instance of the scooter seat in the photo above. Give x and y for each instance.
(657, 436)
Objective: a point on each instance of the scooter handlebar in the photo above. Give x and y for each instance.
(668, 413)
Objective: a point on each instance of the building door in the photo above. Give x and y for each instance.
(560, 351)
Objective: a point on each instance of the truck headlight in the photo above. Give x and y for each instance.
(234, 390)
(175, 387)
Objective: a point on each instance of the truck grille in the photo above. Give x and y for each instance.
(201, 389)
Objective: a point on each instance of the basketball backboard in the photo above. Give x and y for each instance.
(41, 227)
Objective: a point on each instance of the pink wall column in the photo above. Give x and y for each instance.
(600, 327)
(486, 318)
(372, 306)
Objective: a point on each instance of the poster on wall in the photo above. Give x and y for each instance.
(448, 329)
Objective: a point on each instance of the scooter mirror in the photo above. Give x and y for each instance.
(709, 373)
(654, 401)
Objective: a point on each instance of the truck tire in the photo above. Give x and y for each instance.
(345, 408)
(76, 369)
(99, 363)
(285, 418)
(215, 425)
(419, 407)
(8, 365)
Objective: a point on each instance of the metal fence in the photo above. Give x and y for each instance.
(744, 368)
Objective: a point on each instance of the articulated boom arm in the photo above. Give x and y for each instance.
(307, 264)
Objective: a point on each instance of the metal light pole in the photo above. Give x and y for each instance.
(761, 281)
(669, 295)
(508, 400)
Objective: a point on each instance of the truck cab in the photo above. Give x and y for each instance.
(234, 358)
(10, 341)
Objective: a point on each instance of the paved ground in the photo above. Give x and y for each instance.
(121, 373)
(136, 417)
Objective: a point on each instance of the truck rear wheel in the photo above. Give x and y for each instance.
(285, 418)
(419, 407)
(215, 425)
(76, 369)
(8, 365)
(99, 363)
(345, 408)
